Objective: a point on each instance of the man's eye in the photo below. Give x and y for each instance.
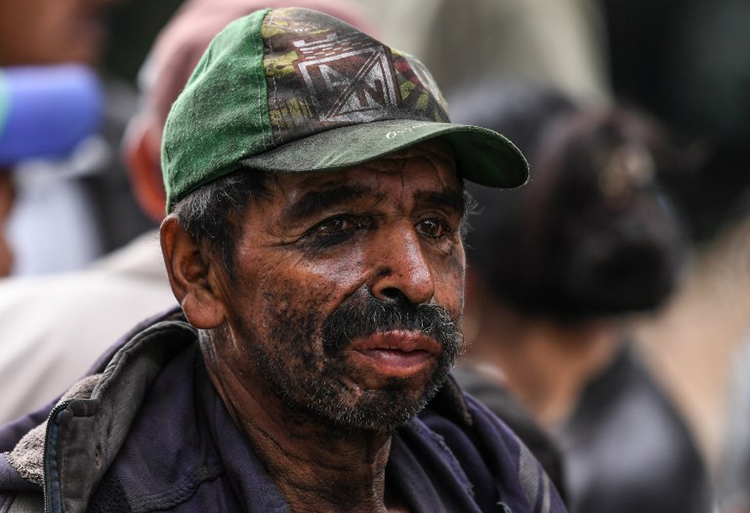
(334, 226)
(334, 230)
(433, 228)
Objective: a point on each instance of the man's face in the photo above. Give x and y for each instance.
(50, 31)
(348, 290)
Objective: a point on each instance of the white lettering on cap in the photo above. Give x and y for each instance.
(396, 133)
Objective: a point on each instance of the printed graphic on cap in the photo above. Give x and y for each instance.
(322, 73)
(336, 94)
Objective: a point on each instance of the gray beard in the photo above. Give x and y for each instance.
(314, 387)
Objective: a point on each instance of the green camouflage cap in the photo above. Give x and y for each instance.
(298, 90)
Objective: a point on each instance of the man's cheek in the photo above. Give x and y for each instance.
(290, 283)
(297, 303)
(457, 260)
(450, 276)
(332, 281)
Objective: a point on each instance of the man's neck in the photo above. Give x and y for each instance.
(315, 467)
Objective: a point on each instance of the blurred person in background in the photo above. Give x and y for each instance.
(50, 219)
(555, 270)
(52, 328)
(555, 43)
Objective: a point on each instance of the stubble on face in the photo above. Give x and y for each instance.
(318, 384)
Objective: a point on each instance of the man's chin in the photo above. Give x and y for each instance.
(383, 409)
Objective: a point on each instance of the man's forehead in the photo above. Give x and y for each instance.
(425, 173)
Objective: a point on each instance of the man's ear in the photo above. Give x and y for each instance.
(192, 276)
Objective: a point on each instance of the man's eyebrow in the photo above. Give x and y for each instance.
(316, 201)
(452, 198)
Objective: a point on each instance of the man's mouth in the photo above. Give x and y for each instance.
(396, 353)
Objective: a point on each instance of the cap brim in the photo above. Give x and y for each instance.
(483, 156)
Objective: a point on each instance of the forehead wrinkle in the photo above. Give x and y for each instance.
(448, 197)
(440, 163)
(434, 161)
(393, 165)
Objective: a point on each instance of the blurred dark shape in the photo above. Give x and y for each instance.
(115, 210)
(593, 234)
(514, 108)
(522, 110)
(628, 450)
(688, 63)
(134, 25)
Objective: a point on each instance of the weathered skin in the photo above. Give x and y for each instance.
(396, 237)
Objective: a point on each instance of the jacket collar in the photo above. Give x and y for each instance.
(83, 430)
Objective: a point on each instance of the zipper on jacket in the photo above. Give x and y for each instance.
(52, 499)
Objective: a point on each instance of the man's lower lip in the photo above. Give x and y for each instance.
(395, 363)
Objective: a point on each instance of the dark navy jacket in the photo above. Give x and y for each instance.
(146, 431)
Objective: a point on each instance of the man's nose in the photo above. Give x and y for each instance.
(400, 269)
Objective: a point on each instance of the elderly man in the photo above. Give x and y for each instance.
(316, 204)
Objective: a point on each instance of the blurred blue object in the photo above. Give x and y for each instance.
(45, 111)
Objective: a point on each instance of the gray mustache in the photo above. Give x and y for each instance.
(361, 316)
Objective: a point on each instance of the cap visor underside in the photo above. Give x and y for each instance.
(484, 157)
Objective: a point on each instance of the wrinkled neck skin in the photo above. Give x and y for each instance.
(316, 467)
